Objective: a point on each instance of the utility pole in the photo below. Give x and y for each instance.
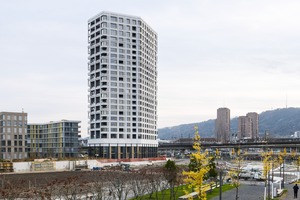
(220, 195)
(269, 188)
(280, 170)
(283, 173)
(272, 178)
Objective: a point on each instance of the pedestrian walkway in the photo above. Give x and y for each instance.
(246, 192)
(256, 192)
(290, 192)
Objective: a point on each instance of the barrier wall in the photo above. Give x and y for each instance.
(22, 166)
(49, 165)
(65, 165)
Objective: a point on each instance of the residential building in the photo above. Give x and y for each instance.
(13, 135)
(222, 125)
(122, 86)
(255, 124)
(54, 139)
(244, 127)
(248, 126)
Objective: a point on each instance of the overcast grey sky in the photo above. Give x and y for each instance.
(242, 54)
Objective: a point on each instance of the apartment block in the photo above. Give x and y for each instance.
(248, 127)
(255, 124)
(13, 135)
(244, 127)
(222, 125)
(54, 139)
(122, 86)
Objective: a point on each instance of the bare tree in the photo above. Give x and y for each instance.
(98, 188)
(71, 188)
(153, 176)
(11, 190)
(138, 184)
(119, 184)
(173, 176)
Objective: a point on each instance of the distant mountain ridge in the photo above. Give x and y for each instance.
(278, 123)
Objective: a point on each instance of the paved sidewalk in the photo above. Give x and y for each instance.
(256, 192)
(246, 192)
(290, 193)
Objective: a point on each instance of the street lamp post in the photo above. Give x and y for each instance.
(273, 178)
(269, 186)
(219, 167)
(220, 194)
(283, 173)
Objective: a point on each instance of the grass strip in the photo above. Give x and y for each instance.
(164, 195)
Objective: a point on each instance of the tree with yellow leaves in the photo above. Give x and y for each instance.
(235, 172)
(267, 164)
(295, 159)
(198, 168)
(281, 159)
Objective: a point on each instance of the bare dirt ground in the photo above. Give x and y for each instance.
(40, 179)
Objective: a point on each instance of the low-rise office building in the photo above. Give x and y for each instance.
(54, 139)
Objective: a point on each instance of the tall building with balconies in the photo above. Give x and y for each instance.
(122, 86)
(244, 127)
(13, 133)
(254, 125)
(222, 125)
(248, 127)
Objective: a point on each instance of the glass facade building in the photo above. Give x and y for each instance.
(53, 139)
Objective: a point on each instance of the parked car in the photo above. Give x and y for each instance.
(96, 168)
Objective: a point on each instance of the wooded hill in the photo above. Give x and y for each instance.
(278, 123)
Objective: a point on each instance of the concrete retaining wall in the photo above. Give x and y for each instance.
(71, 165)
(64, 165)
(22, 166)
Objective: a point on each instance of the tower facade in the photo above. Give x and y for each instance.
(244, 127)
(255, 124)
(248, 127)
(222, 124)
(122, 86)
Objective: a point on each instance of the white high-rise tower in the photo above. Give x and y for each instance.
(122, 86)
